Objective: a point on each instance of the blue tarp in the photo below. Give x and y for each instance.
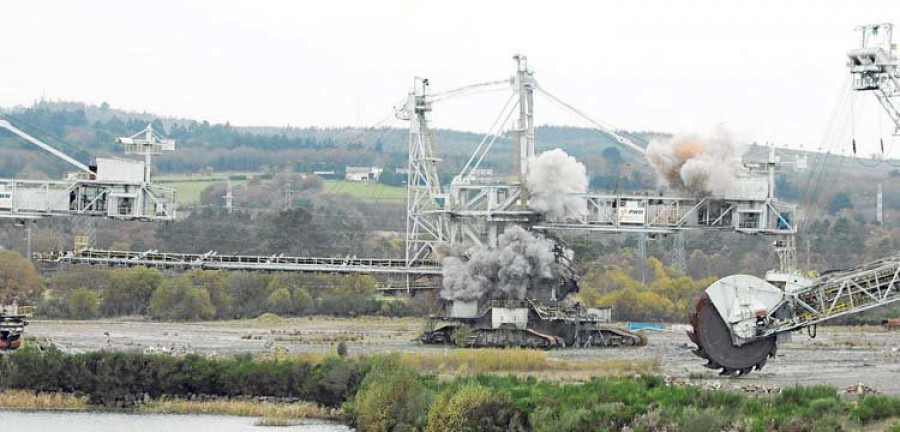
(633, 326)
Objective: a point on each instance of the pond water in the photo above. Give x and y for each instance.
(54, 421)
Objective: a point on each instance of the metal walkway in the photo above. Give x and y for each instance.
(215, 261)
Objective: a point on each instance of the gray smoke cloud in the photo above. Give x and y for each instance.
(520, 262)
(553, 175)
(698, 165)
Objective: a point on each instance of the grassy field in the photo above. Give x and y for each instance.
(175, 178)
(189, 186)
(366, 191)
(189, 191)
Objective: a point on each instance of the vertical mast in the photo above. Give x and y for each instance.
(425, 201)
(524, 84)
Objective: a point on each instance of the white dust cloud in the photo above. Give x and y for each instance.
(553, 175)
(699, 165)
(522, 261)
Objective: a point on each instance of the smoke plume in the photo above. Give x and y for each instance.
(698, 165)
(520, 262)
(553, 175)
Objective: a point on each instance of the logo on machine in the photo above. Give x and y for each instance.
(632, 215)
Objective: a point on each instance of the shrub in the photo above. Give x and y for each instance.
(798, 395)
(472, 407)
(391, 397)
(83, 303)
(303, 302)
(335, 380)
(876, 407)
(179, 299)
(111, 378)
(129, 290)
(462, 335)
(701, 420)
(18, 277)
(607, 416)
(279, 301)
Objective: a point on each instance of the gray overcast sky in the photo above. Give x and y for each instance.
(768, 70)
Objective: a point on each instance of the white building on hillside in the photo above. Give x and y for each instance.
(363, 174)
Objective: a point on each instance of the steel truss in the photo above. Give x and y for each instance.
(842, 293)
(474, 211)
(667, 215)
(454, 215)
(216, 261)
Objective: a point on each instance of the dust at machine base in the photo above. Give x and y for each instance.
(525, 324)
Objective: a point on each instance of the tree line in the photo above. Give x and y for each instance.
(88, 292)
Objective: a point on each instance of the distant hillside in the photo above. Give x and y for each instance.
(87, 130)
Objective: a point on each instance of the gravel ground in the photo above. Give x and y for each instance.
(838, 356)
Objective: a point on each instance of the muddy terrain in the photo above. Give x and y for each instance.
(838, 356)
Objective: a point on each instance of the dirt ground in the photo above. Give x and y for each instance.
(838, 356)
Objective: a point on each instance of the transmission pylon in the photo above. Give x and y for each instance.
(642, 256)
(85, 233)
(229, 198)
(679, 260)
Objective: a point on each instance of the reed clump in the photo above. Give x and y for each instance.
(31, 400)
(523, 362)
(266, 410)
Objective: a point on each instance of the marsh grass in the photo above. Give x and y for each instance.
(267, 411)
(313, 358)
(267, 321)
(30, 400)
(523, 362)
(313, 337)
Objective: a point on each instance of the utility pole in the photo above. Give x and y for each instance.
(287, 195)
(229, 198)
(879, 207)
(28, 239)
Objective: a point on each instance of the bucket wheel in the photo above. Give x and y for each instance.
(713, 339)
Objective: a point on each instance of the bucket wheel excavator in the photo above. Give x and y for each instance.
(738, 320)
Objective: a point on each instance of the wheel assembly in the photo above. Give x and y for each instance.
(714, 344)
